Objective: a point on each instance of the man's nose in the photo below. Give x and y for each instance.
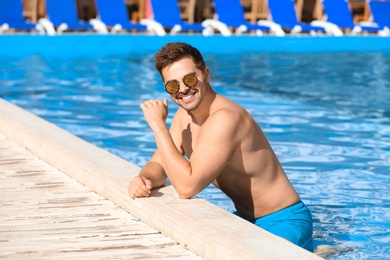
(183, 87)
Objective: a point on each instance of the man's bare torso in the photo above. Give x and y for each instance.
(252, 177)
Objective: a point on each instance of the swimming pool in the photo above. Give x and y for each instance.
(325, 112)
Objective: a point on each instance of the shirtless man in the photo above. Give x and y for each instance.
(224, 146)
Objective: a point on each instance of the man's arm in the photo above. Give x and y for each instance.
(151, 176)
(215, 144)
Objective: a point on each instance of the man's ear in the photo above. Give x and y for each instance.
(206, 73)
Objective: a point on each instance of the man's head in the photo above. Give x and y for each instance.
(175, 51)
(185, 75)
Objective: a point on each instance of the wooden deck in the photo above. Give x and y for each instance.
(50, 207)
(46, 214)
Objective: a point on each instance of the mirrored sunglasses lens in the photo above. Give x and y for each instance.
(190, 80)
(172, 87)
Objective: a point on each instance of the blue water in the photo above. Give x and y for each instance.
(327, 116)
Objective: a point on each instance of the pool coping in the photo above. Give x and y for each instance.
(204, 228)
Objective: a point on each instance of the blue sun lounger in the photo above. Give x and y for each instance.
(167, 14)
(338, 13)
(11, 16)
(113, 14)
(380, 11)
(63, 15)
(283, 13)
(231, 14)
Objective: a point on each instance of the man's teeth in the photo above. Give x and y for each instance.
(187, 97)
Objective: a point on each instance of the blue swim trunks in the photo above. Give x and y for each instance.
(293, 223)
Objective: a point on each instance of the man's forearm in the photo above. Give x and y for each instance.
(155, 173)
(176, 167)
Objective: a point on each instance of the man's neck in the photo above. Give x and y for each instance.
(203, 111)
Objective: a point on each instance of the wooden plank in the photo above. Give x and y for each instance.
(46, 214)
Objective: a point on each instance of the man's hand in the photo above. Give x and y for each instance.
(155, 113)
(140, 187)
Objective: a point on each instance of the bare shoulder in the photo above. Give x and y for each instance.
(228, 115)
(226, 109)
(180, 117)
(180, 112)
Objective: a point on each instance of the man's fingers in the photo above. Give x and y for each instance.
(139, 193)
(154, 102)
(140, 187)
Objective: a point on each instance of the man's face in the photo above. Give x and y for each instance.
(187, 97)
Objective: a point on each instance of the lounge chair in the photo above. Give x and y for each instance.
(63, 15)
(338, 13)
(380, 12)
(231, 14)
(114, 14)
(167, 13)
(283, 13)
(11, 16)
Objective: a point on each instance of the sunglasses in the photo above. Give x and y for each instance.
(173, 86)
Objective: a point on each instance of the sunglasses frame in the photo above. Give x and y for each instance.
(178, 83)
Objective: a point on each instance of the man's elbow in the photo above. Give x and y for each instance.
(185, 194)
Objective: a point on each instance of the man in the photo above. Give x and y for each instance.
(224, 146)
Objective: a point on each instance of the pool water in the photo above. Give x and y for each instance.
(327, 116)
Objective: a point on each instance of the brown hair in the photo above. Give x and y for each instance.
(175, 51)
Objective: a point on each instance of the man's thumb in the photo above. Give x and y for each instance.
(166, 101)
(148, 184)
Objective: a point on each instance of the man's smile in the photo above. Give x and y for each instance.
(187, 97)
